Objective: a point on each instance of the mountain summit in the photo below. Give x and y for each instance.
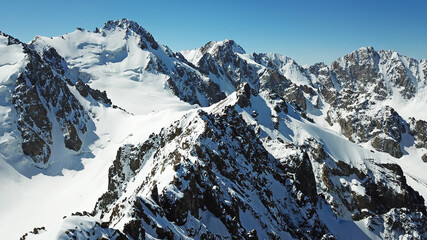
(129, 25)
(123, 24)
(132, 140)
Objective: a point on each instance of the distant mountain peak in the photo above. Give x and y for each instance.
(366, 49)
(226, 44)
(10, 40)
(126, 24)
(123, 23)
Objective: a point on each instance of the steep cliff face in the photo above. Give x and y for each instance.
(45, 111)
(359, 92)
(39, 91)
(361, 81)
(386, 72)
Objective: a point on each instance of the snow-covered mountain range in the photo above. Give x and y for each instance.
(112, 135)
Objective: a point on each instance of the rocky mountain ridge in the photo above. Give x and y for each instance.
(273, 150)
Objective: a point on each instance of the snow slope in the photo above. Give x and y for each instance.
(12, 61)
(113, 62)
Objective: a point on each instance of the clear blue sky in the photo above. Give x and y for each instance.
(308, 31)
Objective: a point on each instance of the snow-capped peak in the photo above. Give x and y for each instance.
(226, 44)
(10, 40)
(130, 27)
(279, 57)
(123, 23)
(363, 55)
(220, 49)
(366, 49)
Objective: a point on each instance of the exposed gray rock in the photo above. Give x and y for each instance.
(418, 129)
(85, 91)
(147, 38)
(33, 122)
(272, 80)
(360, 69)
(399, 222)
(387, 145)
(71, 137)
(380, 196)
(222, 60)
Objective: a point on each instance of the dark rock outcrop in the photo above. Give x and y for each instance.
(387, 145)
(418, 129)
(85, 91)
(39, 91)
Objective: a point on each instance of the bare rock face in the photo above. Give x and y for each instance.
(377, 193)
(134, 230)
(295, 95)
(34, 146)
(355, 84)
(361, 70)
(40, 92)
(300, 166)
(385, 128)
(185, 82)
(270, 79)
(189, 85)
(357, 70)
(402, 221)
(85, 91)
(147, 39)
(33, 122)
(221, 59)
(387, 145)
(385, 198)
(71, 137)
(418, 129)
(244, 93)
